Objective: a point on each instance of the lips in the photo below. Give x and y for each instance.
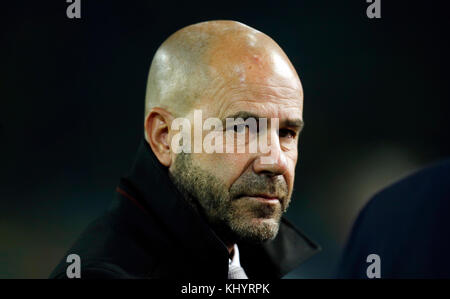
(266, 198)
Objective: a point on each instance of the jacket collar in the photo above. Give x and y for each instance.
(150, 184)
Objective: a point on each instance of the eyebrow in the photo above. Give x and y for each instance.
(296, 123)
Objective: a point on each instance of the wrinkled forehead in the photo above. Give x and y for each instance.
(259, 100)
(264, 84)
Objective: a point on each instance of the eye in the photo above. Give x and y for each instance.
(244, 127)
(239, 128)
(287, 133)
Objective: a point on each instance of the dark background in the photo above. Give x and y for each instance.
(72, 107)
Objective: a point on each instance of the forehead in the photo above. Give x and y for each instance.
(261, 82)
(265, 99)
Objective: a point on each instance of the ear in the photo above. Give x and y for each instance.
(156, 126)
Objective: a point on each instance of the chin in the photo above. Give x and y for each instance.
(257, 230)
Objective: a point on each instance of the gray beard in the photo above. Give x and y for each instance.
(225, 211)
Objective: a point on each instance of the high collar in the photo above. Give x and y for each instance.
(149, 182)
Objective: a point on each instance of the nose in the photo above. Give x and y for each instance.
(274, 162)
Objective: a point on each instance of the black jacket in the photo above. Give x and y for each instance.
(408, 226)
(151, 232)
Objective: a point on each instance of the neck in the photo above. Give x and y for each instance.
(230, 248)
(225, 236)
(221, 231)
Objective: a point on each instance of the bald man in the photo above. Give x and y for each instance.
(186, 211)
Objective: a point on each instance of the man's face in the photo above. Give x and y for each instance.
(242, 192)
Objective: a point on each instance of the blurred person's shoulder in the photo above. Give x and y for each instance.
(431, 182)
(405, 225)
(420, 194)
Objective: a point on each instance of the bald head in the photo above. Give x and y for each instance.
(198, 61)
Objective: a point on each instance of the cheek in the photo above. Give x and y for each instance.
(290, 174)
(292, 156)
(227, 167)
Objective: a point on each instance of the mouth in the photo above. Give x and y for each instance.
(264, 198)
